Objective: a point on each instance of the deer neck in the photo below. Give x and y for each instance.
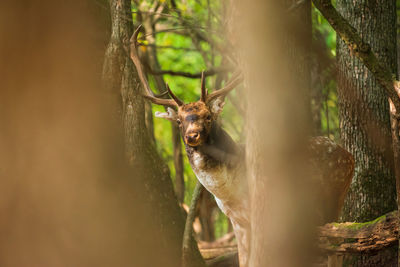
(217, 165)
(219, 149)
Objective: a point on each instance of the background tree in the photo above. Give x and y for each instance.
(120, 74)
(148, 16)
(364, 110)
(382, 72)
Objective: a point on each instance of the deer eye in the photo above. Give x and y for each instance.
(208, 117)
(178, 121)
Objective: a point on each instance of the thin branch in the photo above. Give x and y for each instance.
(169, 47)
(188, 233)
(209, 72)
(153, 8)
(159, 11)
(154, 13)
(189, 24)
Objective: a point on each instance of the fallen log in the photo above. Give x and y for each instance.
(210, 253)
(365, 237)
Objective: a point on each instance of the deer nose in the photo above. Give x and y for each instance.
(192, 137)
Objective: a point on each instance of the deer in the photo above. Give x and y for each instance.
(215, 158)
(218, 161)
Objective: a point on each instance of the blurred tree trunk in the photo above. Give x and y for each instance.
(120, 72)
(281, 219)
(66, 191)
(300, 54)
(365, 118)
(364, 110)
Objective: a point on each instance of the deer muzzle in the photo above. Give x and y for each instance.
(193, 138)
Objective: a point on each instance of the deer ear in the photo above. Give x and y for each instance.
(217, 105)
(169, 115)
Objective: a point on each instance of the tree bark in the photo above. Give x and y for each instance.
(368, 237)
(364, 110)
(381, 72)
(176, 136)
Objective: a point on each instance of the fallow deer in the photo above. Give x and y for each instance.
(218, 161)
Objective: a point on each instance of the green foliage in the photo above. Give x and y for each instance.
(324, 49)
(322, 28)
(329, 111)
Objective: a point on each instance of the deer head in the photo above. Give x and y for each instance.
(194, 119)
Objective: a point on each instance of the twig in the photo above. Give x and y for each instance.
(159, 12)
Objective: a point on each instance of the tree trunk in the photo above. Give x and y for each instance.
(364, 110)
(152, 61)
(276, 93)
(138, 144)
(365, 118)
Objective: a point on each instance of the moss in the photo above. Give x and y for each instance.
(357, 226)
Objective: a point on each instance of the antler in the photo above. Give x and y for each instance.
(175, 102)
(237, 78)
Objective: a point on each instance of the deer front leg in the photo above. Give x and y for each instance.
(243, 242)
